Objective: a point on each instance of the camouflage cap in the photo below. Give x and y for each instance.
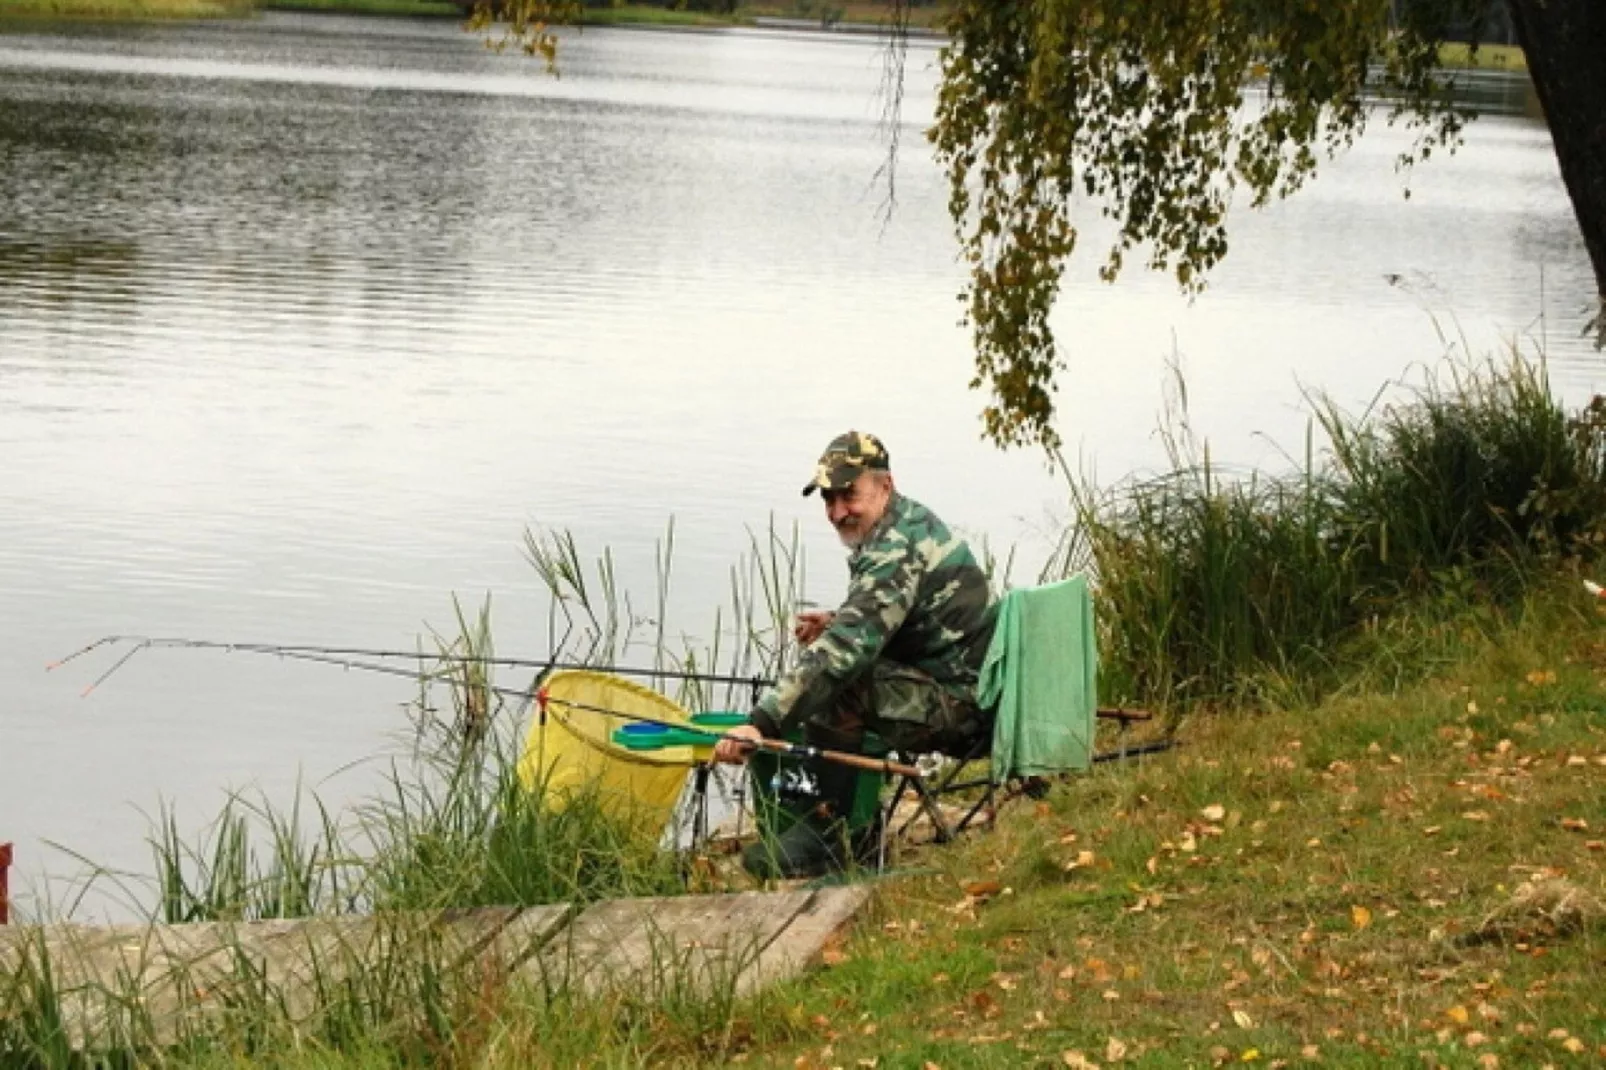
(845, 459)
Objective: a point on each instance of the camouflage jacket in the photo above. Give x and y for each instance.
(915, 596)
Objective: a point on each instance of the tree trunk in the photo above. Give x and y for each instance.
(1565, 42)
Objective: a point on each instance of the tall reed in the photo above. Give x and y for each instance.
(1222, 589)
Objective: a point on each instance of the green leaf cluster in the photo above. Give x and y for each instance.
(1154, 113)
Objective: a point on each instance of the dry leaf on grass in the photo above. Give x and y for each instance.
(1360, 917)
(1213, 812)
(1575, 824)
(1077, 1061)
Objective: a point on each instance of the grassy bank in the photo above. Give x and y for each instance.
(1387, 877)
(1486, 57)
(397, 8)
(1233, 590)
(1351, 883)
(121, 10)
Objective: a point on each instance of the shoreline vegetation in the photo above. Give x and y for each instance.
(862, 15)
(1382, 840)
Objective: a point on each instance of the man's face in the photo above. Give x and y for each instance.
(854, 510)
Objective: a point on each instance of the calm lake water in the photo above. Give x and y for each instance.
(304, 320)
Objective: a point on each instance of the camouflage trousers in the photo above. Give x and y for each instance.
(908, 709)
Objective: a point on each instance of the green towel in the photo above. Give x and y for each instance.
(1041, 676)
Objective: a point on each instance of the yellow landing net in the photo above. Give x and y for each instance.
(572, 751)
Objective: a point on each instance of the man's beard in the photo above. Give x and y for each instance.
(850, 534)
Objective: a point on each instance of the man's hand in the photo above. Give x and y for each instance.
(737, 744)
(810, 624)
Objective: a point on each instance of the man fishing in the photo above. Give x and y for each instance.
(900, 656)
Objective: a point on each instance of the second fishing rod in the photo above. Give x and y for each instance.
(345, 658)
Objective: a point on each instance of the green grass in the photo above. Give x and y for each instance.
(1232, 590)
(120, 10)
(1341, 875)
(1486, 57)
(404, 8)
(648, 15)
(1340, 883)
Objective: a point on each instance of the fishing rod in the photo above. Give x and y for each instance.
(341, 657)
(776, 746)
(337, 655)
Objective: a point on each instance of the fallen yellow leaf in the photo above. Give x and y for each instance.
(1115, 1050)
(1575, 824)
(1457, 1014)
(1077, 1061)
(1213, 812)
(1360, 917)
(1243, 1019)
(1573, 1044)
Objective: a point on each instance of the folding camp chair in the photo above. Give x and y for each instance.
(946, 777)
(1040, 675)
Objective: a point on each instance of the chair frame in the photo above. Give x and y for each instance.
(948, 783)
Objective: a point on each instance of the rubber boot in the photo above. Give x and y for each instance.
(817, 842)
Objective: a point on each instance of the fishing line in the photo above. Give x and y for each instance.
(345, 658)
(144, 642)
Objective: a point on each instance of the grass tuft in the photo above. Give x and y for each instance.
(1226, 590)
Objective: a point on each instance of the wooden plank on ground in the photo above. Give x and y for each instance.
(799, 946)
(150, 985)
(672, 946)
(524, 935)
